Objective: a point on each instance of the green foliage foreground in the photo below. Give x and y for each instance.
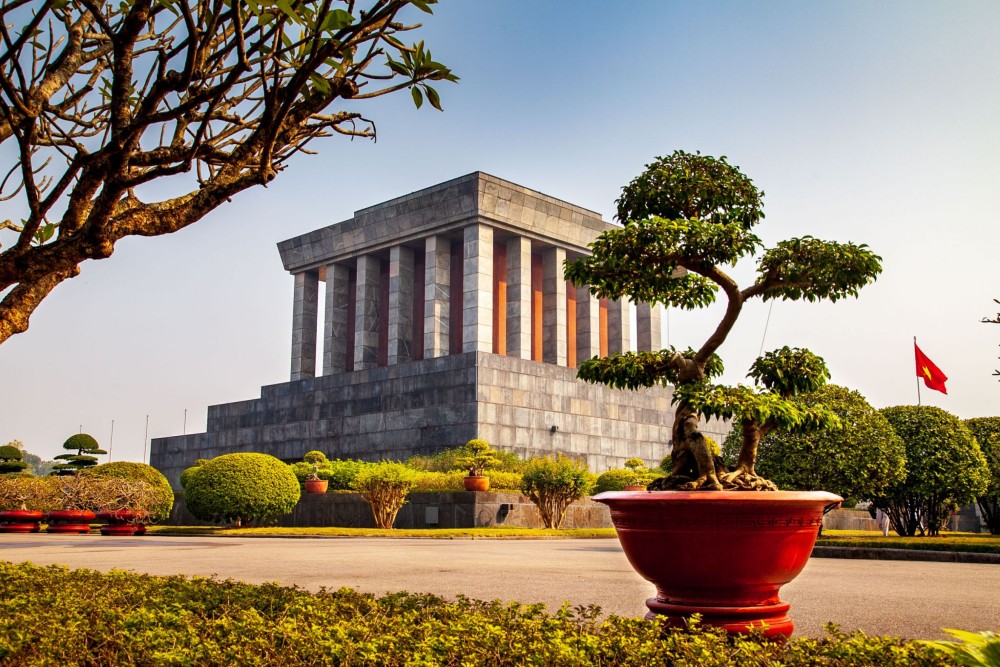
(53, 615)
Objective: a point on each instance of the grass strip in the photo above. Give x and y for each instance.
(424, 533)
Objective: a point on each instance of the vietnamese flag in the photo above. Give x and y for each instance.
(932, 375)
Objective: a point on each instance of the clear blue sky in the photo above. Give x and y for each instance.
(870, 122)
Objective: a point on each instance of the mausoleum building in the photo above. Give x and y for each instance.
(446, 317)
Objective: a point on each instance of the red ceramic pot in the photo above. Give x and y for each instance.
(119, 529)
(69, 521)
(476, 483)
(316, 485)
(20, 521)
(116, 517)
(721, 554)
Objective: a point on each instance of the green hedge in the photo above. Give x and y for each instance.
(55, 616)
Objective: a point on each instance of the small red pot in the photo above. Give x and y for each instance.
(69, 521)
(721, 554)
(120, 529)
(20, 521)
(476, 483)
(316, 485)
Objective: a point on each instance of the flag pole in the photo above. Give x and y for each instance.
(918, 377)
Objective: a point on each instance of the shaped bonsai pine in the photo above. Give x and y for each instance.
(87, 450)
(686, 219)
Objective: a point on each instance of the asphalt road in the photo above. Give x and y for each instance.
(909, 599)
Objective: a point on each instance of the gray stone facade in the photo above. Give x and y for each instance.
(446, 318)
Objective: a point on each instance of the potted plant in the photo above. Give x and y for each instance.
(313, 483)
(715, 541)
(74, 498)
(22, 500)
(639, 471)
(478, 458)
(125, 505)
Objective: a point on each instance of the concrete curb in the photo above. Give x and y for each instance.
(905, 554)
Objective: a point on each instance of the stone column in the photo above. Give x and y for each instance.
(647, 323)
(305, 309)
(553, 307)
(519, 298)
(335, 327)
(619, 326)
(437, 309)
(588, 325)
(366, 313)
(400, 304)
(477, 289)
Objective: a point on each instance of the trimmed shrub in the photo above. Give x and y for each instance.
(987, 433)
(150, 620)
(11, 462)
(448, 460)
(501, 480)
(341, 473)
(86, 449)
(553, 484)
(163, 495)
(616, 479)
(945, 469)
(26, 493)
(241, 488)
(427, 480)
(187, 472)
(315, 456)
(384, 486)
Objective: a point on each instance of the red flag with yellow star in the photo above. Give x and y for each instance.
(932, 375)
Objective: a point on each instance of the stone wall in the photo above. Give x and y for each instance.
(421, 407)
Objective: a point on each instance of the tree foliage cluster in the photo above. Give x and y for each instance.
(241, 488)
(87, 450)
(205, 99)
(686, 219)
(986, 430)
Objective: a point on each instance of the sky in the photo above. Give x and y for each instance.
(867, 122)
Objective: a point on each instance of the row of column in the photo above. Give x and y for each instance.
(353, 306)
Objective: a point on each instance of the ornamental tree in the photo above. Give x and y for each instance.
(11, 460)
(993, 320)
(139, 117)
(859, 461)
(686, 219)
(986, 430)
(945, 468)
(86, 449)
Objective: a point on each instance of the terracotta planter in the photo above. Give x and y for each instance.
(316, 485)
(20, 521)
(69, 521)
(721, 554)
(476, 483)
(120, 523)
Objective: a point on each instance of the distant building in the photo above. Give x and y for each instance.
(447, 318)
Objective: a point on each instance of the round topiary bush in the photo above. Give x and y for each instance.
(141, 472)
(241, 488)
(615, 479)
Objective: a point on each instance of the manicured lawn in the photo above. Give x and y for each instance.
(431, 533)
(972, 542)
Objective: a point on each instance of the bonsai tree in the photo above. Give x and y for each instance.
(993, 320)
(384, 486)
(11, 462)
(25, 493)
(552, 484)
(945, 469)
(154, 501)
(858, 462)
(687, 218)
(479, 456)
(987, 433)
(241, 488)
(86, 449)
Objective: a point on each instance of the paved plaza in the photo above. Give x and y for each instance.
(910, 599)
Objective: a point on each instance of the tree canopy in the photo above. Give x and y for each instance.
(686, 219)
(945, 468)
(203, 97)
(987, 433)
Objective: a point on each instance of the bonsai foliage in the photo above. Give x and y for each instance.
(11, 460)
(945, 469)
(100, 100)
(241, 488)
(553, 484)
(687, 218)
(478, 457)
(86, 449)
(156, 502)
(384, 486)
(858, 461)
(986, 430)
